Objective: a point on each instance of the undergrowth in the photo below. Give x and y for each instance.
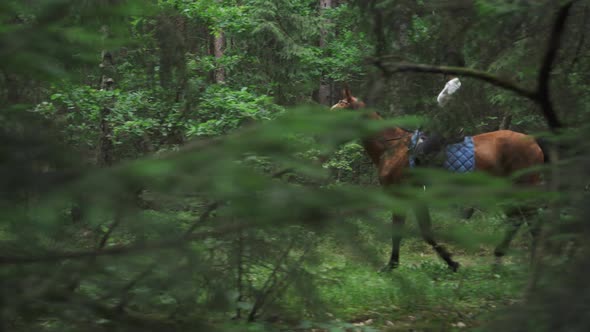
(422, 294)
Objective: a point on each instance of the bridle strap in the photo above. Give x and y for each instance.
(398, 138)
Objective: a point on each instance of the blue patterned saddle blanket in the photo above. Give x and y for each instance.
(460, 157)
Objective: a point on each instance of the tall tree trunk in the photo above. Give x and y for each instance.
(107, 82)
(104, 155)
(12, 86)
(324, 94)
(506, 121)
(240, 273)
(171, 38)
(401, 18)
(165, 37)
(218, 49)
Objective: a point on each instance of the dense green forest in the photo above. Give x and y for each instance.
(177, 165)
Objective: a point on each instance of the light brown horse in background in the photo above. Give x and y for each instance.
(499, 153)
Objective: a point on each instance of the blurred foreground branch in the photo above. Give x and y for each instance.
(125, 249)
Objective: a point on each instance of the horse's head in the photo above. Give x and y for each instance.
(348, 102)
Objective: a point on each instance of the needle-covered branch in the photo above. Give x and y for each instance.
(541, 95)
(123, 249)
(402, 67)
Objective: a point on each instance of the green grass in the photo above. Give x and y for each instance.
(421, 289)
(423, 294)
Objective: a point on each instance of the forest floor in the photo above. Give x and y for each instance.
(422, 294)
(350, 293)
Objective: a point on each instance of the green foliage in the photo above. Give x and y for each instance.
(133, 116)
(345, 156)
(222, 109)
(344, 54)
(227, 16)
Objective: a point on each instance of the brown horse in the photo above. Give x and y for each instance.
(500, 153)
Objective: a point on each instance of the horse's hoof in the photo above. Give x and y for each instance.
(454, 266)
(497, 265)
(467, 213)
(388, 268)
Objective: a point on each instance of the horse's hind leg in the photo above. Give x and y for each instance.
(423, 217)
(467, 212)
(397, 221)
(528, 215)
(515, 220)
(535, 232)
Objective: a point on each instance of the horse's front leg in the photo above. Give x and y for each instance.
(423, 218)
(397, 222)
(515, 220)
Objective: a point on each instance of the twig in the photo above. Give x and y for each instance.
(107, 235)
(77, 277)
(202, 218)
(269, 283)
(281, 286)
(125, 297)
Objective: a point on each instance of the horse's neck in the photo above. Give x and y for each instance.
(379, 143)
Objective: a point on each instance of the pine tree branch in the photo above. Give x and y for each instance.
(124, 249)
(125, 317)
(541, 95)
(401, 67)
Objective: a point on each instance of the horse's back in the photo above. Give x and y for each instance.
(504, 152)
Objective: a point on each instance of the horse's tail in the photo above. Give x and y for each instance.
(544, 145)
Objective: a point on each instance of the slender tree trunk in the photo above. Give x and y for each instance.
(12, 86)
(324, 95)
(219, 44)
(506, 121)
(240, 273)
(218, 50)
(393, 85)
(171, 38)
(165, 37)
(107, 82)
(180, 59)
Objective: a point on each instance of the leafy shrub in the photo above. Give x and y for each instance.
(223, 109)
